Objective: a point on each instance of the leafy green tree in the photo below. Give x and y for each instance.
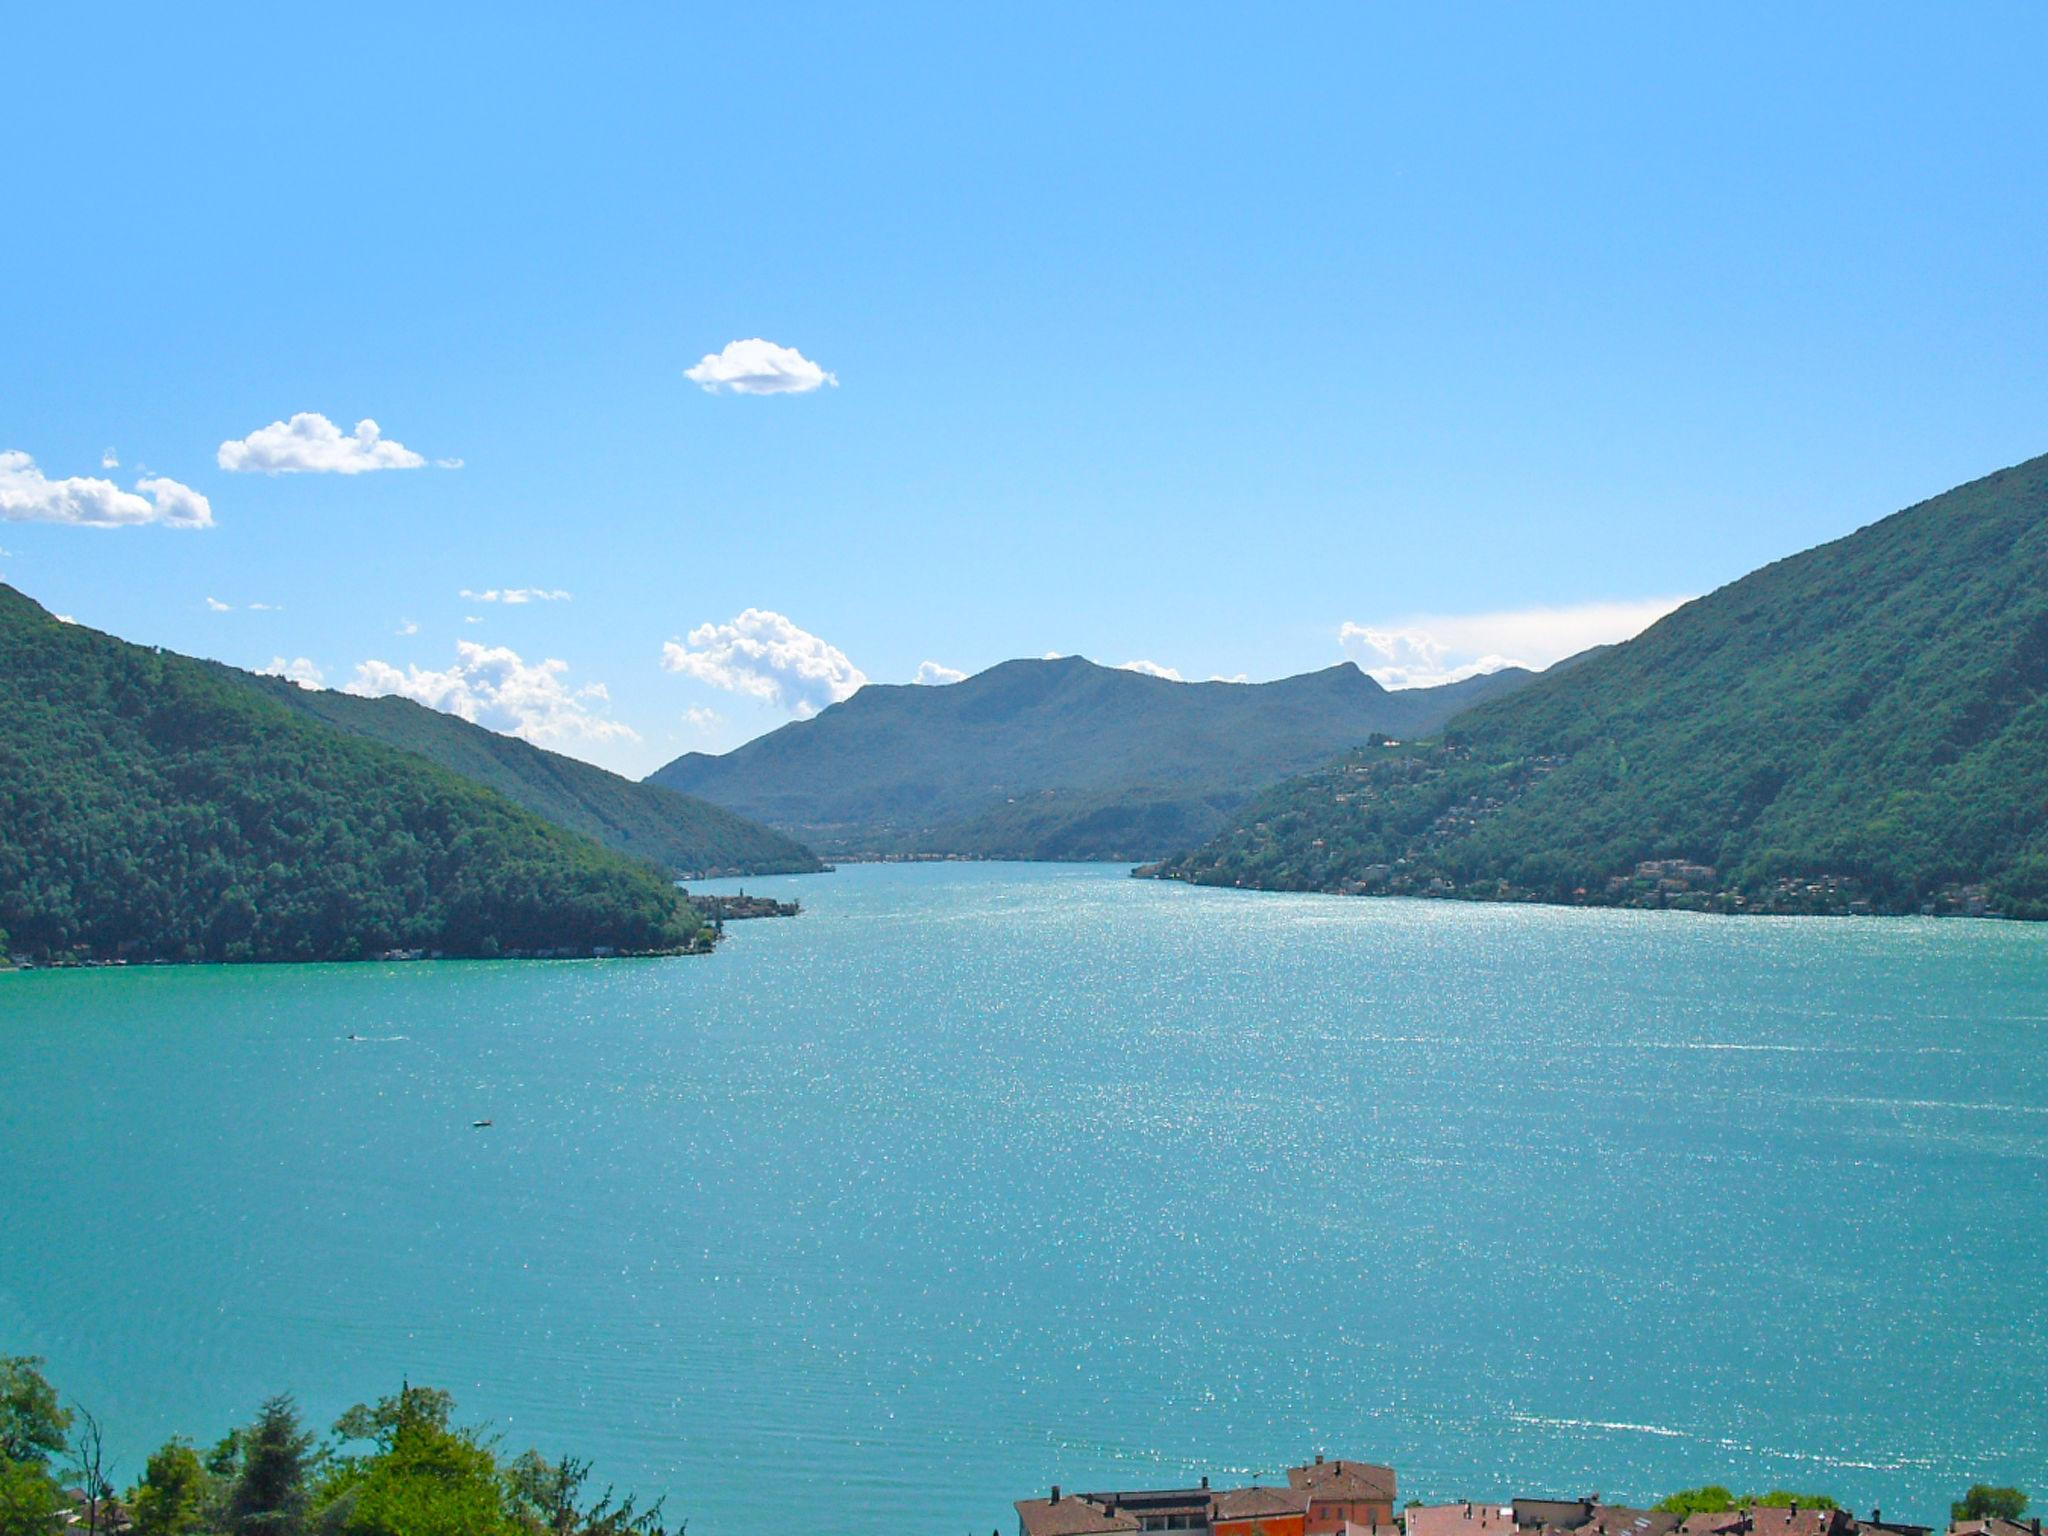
(29, 1499)
(1984, 1502)
(33, 1424)
(381, 1421)
(1781, 1498)
(1709, 1499)
(424, 1479)
(270, 1496)
(172, 1497)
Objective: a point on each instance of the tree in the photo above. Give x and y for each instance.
(171, 1498)
(1984, 1502)
(1781, 1498)
(550, 1497)
(380, 1423)
(1710, 1499)
(29, 1499)
(33, 1424)
(90, 1466)
(424, 1479)
(270, 1496)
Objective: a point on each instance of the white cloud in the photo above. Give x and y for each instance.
(27, 496)
(698, 718)
(472, 618)
(110, 459)
(1218, 677)
(517, 595)
(494, 687)
(266, 607)
(298, 670)
(761, 653)
(311, 444)
(447, 463)
(1430, 649)
(935, 673)
(408, 627)
(215, 605)
(759, 367)
(1152, 669)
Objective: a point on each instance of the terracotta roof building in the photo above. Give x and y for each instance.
(1072, 1514)
(1344, 1494)
(1466, 1519)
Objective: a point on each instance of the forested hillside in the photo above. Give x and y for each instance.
(150, 808)
(1859, 727)
(1056, 759)
(687, 836)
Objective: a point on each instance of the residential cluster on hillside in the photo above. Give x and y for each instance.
(1357, 1498)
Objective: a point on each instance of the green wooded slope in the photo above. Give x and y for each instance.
(152, 809)
(685, 835)
(1861, 725)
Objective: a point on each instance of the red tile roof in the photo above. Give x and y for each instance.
(1256, 1502)
(1071, 1515)
(1465, 1519)
(1344, 1480)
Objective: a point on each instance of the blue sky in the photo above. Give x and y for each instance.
(1190, 334)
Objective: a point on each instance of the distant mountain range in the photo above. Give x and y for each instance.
(1859, 727)
(1055, 759)
(157, 807)
(687, 837)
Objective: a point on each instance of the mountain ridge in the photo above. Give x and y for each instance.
(1859, 726)
(152, 809)
(689, 837)
(1105, 762)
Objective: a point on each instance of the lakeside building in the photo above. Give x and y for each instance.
(1322, 1498)
(1357, 1498)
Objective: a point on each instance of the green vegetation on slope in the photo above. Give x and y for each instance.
(1857, 727)
(151, 809)
(1059, 759)
(689, 837)
(398, 1467)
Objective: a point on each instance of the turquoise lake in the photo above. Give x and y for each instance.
(978, 1177)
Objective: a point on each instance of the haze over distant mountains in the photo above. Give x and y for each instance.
(1054, 759)
(1859, 727)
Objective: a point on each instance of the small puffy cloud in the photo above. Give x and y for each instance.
(447, 463)
(517, 595)
(935, 674)
(493, 686)
(762, 654)
(28, 496)
(408, 627)
(1430, 650)
(698, 718)
(310, 444)
(298, 670)
(266, 607)
(1218, 677)
(109, 459)
(215, 605)
(758, 367)
(1152, 669)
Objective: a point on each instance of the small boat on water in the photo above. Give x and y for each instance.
(477, 1125)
